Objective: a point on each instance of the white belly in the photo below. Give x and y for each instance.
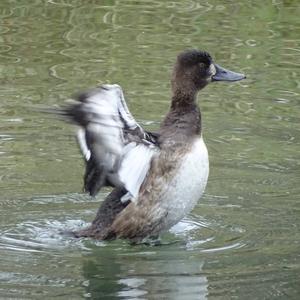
(188, 185)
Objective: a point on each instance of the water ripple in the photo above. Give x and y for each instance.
(34, 236)
(242, 238)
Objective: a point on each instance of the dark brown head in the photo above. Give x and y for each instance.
(194, 69)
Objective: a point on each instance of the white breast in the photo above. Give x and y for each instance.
(188, 185)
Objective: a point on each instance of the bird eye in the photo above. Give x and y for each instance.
(202, 65)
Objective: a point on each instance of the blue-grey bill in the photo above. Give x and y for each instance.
(223, 74)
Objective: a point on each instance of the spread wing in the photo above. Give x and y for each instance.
(117, 150)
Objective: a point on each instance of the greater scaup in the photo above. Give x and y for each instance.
(157, 177)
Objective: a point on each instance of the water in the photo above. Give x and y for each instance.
(242, 239)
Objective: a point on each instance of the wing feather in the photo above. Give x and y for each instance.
(134, 168)
(117, 150)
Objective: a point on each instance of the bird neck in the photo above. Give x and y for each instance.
(184, 116)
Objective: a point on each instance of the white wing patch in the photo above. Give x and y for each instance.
(134, 168)
(82, 144)
(117, 150)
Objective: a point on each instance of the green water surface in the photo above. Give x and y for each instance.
(242, 239)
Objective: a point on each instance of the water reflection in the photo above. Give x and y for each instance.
(189, 264)
(145, 274)
(115, 269)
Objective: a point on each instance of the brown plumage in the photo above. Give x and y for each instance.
(158, 204)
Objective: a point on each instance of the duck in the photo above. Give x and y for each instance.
(157, 177)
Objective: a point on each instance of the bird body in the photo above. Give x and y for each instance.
(157, 177)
